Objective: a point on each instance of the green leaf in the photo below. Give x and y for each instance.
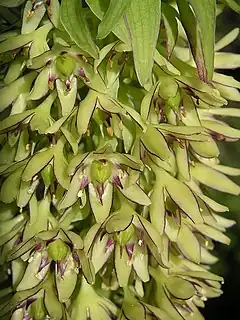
(74, 23)
(170, 22)
(37, 163)
(205, 13)
(193, 26)
(115, 11)
(233, 5)
(11, 3)
(99, 7)
(143, 22)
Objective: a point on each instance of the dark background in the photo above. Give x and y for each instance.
(227, 306)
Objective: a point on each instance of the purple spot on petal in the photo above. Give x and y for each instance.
(81, 73)
(75, 256)
(44, 262)
(61, 267)
(68, 84)
(84, 182)
(117, 182)
(29, 302)
(38, 247)
(109, 243)
(129, 248)
(100, 191)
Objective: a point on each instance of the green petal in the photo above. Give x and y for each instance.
(182, 196)
(31, 22)
(148, 100)
(157, 207)
(41, 120)
(71, 195)
(22, 150)
(37, 163)
(140, 262)
(87, 268)
(11, 92)
(122, 265)
(31, 276)
(40, 88)
(119, 221)
(66, 284)
(188, 244)
(101, 210)
(70, 139)
(221, 128)
(14, 70)
(161, 149)
(214, 179)
(212, 233)
(67, 97)
(60, 165)
(100, 254)
(136, 194)
(181, 154)
(85, 111)
(206, 149)
(9, 191)
(180, 288)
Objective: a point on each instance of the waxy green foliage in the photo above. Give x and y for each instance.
(110, 123)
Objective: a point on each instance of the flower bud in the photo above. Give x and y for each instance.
(126, 235)
(101, 171)
(38, 310)
(65, 64)
(47, 175)
(57, 250)
(168, 88)
(174, 102)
